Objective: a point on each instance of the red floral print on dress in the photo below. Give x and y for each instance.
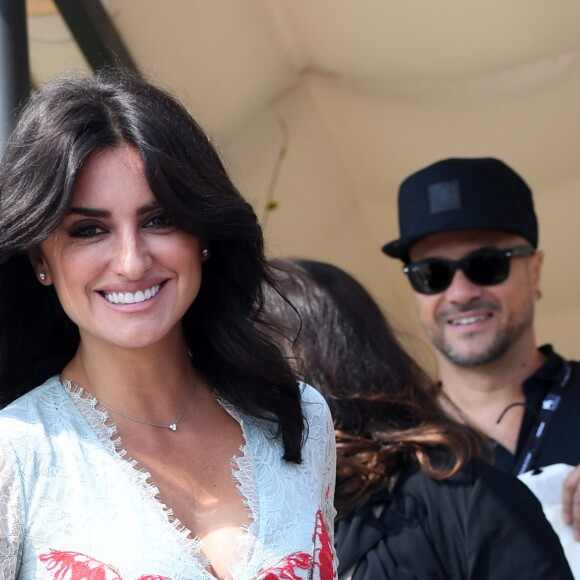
(323, 559)
(287, 568)
(76, 566)
(325, 552)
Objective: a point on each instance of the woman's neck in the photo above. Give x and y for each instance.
(141, 380)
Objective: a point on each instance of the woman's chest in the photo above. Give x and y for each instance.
(95, 510)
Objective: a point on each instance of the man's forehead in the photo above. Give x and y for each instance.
(455, 244)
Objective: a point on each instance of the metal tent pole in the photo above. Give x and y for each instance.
(95, 34)
(14, 71)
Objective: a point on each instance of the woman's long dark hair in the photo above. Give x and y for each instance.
(60, 127)
(385, 416)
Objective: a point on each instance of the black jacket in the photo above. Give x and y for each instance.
(480, 524)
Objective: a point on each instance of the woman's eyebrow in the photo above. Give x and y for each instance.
(148, 207)
(103, 213)
(90, 212)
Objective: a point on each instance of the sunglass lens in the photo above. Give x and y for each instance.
(487, 268)
(431, 276)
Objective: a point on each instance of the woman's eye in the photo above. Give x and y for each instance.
(86, 231)
(159, 221)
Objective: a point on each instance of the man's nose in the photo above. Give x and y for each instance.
(462, 290)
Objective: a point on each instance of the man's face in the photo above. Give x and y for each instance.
(471, 324)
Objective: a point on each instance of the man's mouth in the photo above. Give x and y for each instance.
(469, 320)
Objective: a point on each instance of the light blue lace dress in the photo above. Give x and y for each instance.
(72, 507)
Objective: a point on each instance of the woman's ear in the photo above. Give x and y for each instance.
(40, 266)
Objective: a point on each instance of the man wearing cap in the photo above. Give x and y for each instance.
(468, 241)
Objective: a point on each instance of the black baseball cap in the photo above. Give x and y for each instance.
(462, 194)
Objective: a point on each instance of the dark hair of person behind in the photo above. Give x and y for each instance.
(60, 127)
(385, 416)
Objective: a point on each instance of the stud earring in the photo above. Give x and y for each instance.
(205, 253)
(42, 276)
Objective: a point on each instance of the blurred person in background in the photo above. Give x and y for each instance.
(469, 246)
(413, 497)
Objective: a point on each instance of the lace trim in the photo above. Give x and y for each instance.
(244, 473)
(106, 431)
(259, 542)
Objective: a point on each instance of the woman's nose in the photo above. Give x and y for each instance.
(132, 256)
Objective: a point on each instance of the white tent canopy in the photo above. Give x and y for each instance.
(358, 94)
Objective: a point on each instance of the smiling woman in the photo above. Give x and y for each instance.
(144, 410)
(116, 246)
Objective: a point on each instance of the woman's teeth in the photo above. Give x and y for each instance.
(130, 298)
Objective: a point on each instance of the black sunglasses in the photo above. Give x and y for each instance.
(484, 267)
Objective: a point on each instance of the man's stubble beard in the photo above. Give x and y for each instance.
(502, 342)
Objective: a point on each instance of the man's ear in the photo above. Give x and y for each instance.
(40, 266)
(537, 259)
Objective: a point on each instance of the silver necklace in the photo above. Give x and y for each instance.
(172, 426)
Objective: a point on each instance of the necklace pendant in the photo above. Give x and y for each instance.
(173, 427)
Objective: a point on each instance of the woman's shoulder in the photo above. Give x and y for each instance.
(310, 395)
(319, 442)
(35, 408)
(28, 425)
(314, 406)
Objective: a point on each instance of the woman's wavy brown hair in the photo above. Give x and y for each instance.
(385, 413)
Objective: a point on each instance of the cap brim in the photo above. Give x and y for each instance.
(399, 248)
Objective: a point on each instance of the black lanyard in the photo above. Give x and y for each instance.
(550, 405)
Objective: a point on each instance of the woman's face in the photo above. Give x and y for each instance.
(123, 273)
